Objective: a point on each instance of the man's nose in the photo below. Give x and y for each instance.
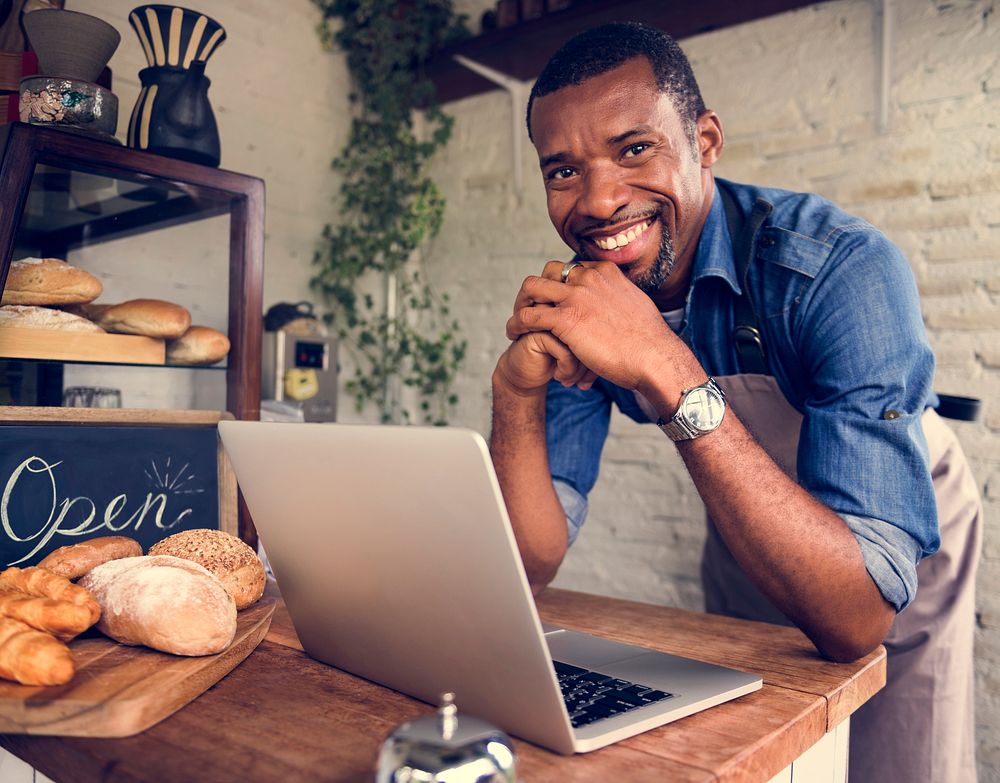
(604, 193)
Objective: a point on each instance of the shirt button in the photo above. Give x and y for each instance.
(767, 242)
(890, 414)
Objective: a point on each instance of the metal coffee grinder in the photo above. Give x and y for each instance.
(447, 748)
(299, 362)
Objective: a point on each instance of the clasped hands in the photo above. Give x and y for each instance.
(596, 323)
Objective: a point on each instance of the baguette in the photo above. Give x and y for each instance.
(33, 657)
(44, 584)
(59, 618)
(75, 560)
(146, 317)
(198, 345)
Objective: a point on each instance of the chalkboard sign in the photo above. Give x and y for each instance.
(69, 474)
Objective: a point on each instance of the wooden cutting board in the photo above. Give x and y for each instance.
(119, 691)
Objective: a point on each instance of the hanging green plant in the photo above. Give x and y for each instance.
(389, 207)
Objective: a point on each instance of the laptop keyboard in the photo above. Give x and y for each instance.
(591, 696)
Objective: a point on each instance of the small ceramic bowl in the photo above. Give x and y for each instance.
(69, 104)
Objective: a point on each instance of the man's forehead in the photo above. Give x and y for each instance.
(608, 105)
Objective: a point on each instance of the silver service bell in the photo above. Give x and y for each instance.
(447, 748)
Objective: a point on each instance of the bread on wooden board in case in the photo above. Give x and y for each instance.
(48, 281)
(75, 560)
(225, 555)
(198, 345)
(44, 584)
(31, 317)
(146, 317)
(167, 603)
(33, 657)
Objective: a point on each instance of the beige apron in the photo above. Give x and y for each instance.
(920, 727)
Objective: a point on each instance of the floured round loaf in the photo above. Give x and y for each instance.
(75, 560)
(31, 317)
(146, 317)
(226, 556)
(48, 281)
(167, 603)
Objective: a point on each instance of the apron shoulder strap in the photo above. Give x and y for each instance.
(743, 230)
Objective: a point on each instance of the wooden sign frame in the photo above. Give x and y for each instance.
(228, 517)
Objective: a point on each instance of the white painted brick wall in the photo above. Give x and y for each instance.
(797, 96)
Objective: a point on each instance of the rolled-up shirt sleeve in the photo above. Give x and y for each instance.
(576, 426)
(890, 556)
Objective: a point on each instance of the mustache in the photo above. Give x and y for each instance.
(623, 215)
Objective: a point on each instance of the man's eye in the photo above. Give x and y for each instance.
(561, 173)
(634, 150)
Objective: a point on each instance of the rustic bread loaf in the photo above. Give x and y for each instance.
(75, 560)
(198, 345)
(48, 281)
(145, 317)
(167, 603)
(226, 556)
(31, 317)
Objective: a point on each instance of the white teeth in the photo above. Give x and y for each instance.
(615, 242)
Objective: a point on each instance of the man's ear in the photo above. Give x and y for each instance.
(711, 139)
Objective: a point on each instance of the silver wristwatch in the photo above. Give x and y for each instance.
(700, 412)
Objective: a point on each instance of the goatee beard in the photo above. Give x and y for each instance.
(649, 281)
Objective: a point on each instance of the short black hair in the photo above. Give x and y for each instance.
(602, 49)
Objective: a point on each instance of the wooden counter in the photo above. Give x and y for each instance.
(281, 716)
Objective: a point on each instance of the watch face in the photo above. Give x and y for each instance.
(703, 409)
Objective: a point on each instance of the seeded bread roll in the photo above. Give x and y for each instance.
(198, 345)
(48, 281)
(31, 317)
(226, 556)
(167, 603)
(75, 560)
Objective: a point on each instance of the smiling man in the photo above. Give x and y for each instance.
(777, 340)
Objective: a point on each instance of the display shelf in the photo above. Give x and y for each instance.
(521, 50)
(52, 345)
(62, 191)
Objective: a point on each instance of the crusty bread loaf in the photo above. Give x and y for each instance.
(30, 317)
(226, 556)
(48, 281)
(167, 603)
(75, 560)
(198, 345)
(146, 317)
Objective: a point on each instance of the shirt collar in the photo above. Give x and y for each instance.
(714, 256)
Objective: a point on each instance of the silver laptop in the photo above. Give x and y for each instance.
(393, 551)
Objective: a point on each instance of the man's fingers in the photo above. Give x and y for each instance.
(533, 319)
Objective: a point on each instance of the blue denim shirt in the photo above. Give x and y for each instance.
(838, 308)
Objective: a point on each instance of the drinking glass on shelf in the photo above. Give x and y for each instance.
(91, 397)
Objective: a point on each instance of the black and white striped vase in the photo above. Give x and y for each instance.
(172, 115)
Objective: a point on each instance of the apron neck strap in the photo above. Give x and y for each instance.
(743, 230)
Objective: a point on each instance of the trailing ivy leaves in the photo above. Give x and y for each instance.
(389, 207)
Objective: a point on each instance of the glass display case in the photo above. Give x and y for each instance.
(148, 227)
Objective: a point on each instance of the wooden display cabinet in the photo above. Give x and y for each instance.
(62, 192)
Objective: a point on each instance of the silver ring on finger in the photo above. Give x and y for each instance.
(568, 267)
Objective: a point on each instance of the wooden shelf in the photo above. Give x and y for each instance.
(522, 50)
(54, 345)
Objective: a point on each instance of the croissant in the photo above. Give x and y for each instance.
(44, 584)
(33, 657)
(59, 618)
